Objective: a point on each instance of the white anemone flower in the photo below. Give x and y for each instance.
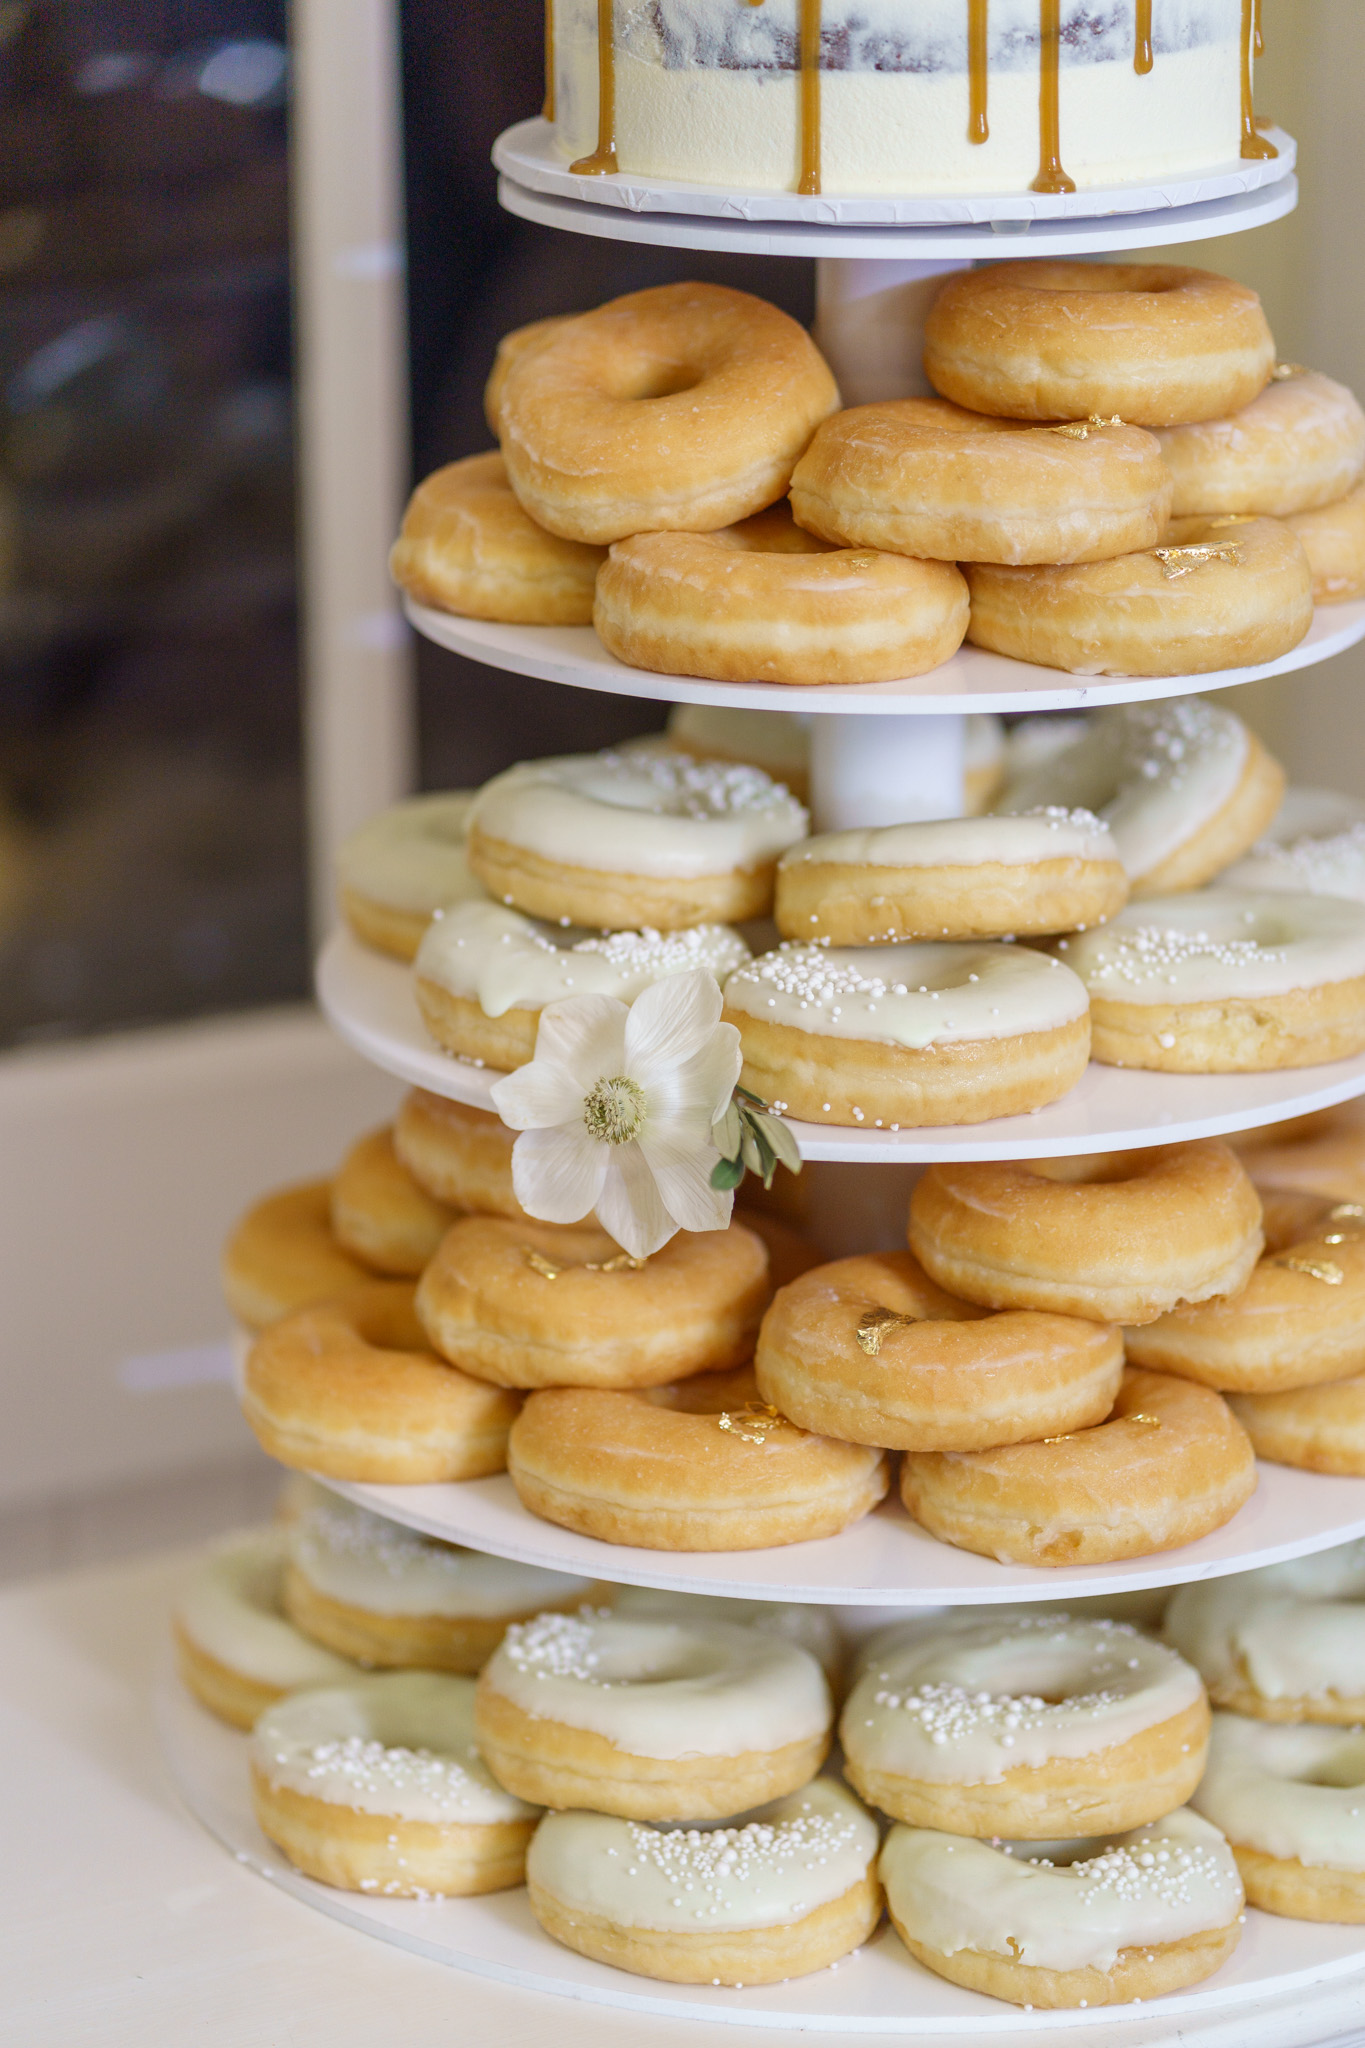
(616, 1112)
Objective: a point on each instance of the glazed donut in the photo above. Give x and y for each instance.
(785, 1893)
(923, 477)
(1318, 1429)
(1300, 444)
(653, 1720)
(282, 1255)
(1220, 599)
(467, 546)
(1171, 1464)
(379, 1213)
(404, 865)
(677, 409)
(1225, 981)
(349, 1389)
(1156, 343)
(763, 602)
(619, 841)
(1114, 1236)
(1322, 860)
(377, 1786)
(235, 1649)
(1288, 1800)
(704, 1465)
(1093, 1923)
(386, 1595)
(1333, 539)
(1300, 1319)
(560, 1304)
(1030, 1728)
(510, 350)
(907, 1035)
(484, 974)
(954, 878)
(1281, 1644)
(1316, 1155)
(810, 1627)
(869, 1350)
(778, 742)
(459, 1154)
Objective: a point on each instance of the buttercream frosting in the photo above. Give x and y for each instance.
(1210, 945)
(412, 856)
(1290, 1791)
(231, 1611)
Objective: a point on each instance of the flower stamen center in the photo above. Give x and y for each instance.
(614, 1110)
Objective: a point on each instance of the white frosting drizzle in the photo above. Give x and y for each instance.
(501, 960)
(790, 1857)
(1294, 1631)
(1212, 944)
(809, 1627)
(965, 1705)
(935, 992)
(411, 857)
(231, 1611)
(1155, 773)
(643, 813)
(663, 1688)
(1049, 833)
(1294, 1791)
(399, 1744)
(362, 1559)
(1315, 845)
(1074, 1908)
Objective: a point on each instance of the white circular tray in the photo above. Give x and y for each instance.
(983, 240)
(528, 154)
(368, 999)
(879, 1990)
(886, 1559)
(972, 681)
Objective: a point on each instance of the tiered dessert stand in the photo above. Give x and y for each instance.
(881, 753)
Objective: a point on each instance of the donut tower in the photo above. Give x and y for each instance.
(913, 1567)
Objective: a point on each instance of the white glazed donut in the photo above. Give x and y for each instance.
(955, 878)
(617, 841)
(385, 1594)
(1289, 1801)
(1286, 1643)
(654, 1720)
(1219, 981)
(484, 973)
(404, 865)
(1185, 787)
(931, 1033)
(786, 1891)
(236, 1649)
(1299, 445)
(1069, 1923)
(1315, 846)
(811, 1628)
(377, 1786)
(1029, 1727)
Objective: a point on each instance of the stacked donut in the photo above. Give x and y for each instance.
(674, 467)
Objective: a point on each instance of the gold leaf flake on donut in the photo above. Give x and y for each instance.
(1080, 430)
(550, 1269)
(874, 1323)
(1282, 372)
(1184, 561)
(1139, 1416)
(1325, 1270)
(759, 1416)
(537, 1261)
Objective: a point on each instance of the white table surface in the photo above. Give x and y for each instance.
(122, 1925)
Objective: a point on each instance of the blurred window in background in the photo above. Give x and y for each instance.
(151, 830)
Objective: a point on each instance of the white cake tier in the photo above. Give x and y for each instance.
(368, 999)
(972, 681)
(1278, 1967)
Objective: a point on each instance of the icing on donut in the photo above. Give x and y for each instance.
(1289, 1792)
(1208, 945)
(496, 957)
(791, 1857)
(914, 995)
(369, 1562)
(1326, 859)
(1048, 832)
(1072, 1909)
(401, 1744)
(658, 814)
(1286, 1641)
(811, 1628)
(665, 1689)
(412, 856)
(231, 1611)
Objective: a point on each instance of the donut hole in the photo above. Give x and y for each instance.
(386, 1320)
(771, 532)
(1097, 1169)
(647, 379)
(710, 1393)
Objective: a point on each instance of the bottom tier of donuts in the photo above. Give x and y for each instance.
(1056, 1806)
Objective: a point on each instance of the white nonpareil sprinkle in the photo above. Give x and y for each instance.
(665, 952)
(1140, 951)
(700, 789)
(1147, 1869)
(371, 1767)
(712, 1862)
(808, 974)
(952, 1713)
(1057, 815)
(347, 1531)
(554, 1646)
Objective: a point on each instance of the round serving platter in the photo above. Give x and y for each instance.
(972, 680)
(878, 1990)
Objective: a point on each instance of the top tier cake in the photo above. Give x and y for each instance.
(859, 96)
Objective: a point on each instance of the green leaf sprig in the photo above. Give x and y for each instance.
(751, 1139)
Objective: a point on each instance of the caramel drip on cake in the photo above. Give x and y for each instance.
(1051, 177)
(1142, 42)
(548, 110)
(1253, 145)
(602, 162)
(810, 96)
(978, 70)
